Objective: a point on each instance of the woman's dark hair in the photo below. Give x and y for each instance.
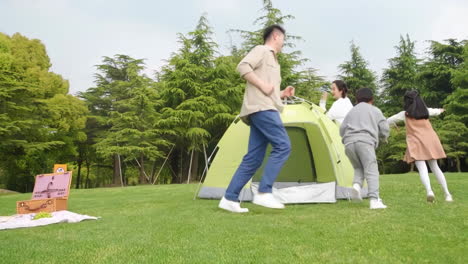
(269, 30)
(364, 95)
(342, 87)
(415, 106)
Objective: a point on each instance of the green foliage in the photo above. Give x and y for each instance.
(436, 72)
(126, 116)
(134, 119)
(39, 122)
(290, 62)
(202, 93)
(457, 103)
(453, 135)
(309, 85)
(390, 154)
(399, 77)
(356, 74)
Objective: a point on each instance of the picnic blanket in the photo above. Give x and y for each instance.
(26, 220)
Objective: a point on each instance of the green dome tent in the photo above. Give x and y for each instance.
(316, 171)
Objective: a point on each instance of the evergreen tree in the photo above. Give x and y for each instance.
(290, 62)
(455, 129)
(194, 87)
(436, 72)
(399, 77)
(356, 74)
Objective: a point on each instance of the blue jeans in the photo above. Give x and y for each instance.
(265, 127)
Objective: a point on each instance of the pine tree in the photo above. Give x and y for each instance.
(399, 77)
(194, 86)
(455, 126)
(356, 74)
(290, 62)
(436, 72)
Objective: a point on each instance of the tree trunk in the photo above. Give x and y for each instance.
(190, 168)
(154, 179)
(412, 167)
(194, 173)
(180, 168)
(117, 169)
(120, 171)
(87, 175)
(142, 170)
(153, 171)
(78, 177)
(458, 164)
(173, 164)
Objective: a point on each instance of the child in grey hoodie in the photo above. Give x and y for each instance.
(361, 131)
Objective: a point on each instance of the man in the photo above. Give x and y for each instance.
(260, 110)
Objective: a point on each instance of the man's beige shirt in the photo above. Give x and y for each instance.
(263, 62)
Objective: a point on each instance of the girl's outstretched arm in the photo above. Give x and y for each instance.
(435, 111)
(394, 119)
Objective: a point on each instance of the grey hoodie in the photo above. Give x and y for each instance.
(364, 123)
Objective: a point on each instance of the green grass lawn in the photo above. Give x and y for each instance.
(162, 224)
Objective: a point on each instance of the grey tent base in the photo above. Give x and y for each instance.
(217, 193)
(247, 194)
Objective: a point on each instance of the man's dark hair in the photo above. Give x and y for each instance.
(415, 106)
(364, 95)
(269, 30)
(341, 85)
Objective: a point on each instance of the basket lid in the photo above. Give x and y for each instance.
(53, 185)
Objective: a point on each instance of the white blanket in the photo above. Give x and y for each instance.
(25, 220)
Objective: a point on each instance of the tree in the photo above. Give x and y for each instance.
(40, 123)
(135, 133)
(124, 125)
(194, 87)
(310, 84)
(399, 77)
(356, 74)
(453, 136)
(390, 154)
(101, 102)
(456, 105)
(290, 61)
(436, 72)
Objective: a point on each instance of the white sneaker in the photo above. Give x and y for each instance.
(377, 204)
(430, 197)
(267, 200)
(448, 198)
(356, 193)
(231, 206)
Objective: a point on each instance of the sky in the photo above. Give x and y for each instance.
(77, 34)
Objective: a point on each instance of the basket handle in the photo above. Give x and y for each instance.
(27, 208)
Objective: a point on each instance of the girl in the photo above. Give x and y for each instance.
(423, 144)
(341, 106)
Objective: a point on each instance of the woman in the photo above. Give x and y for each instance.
(423, 144)
(341, 106)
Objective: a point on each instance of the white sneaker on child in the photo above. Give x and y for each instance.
(356, 193)
(430, 197)
(448, 198)
(377, 204)
(267, 200)
(231, 206)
